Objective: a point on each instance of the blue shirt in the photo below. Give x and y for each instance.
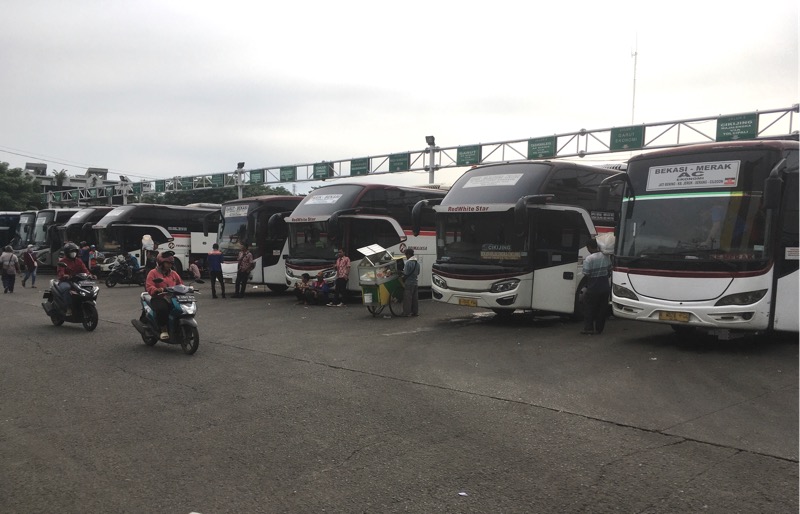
(214, 261)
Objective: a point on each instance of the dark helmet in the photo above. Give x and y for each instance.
(165, 257)
(70, 247)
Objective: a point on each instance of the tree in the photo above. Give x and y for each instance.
(18, 191)
(60, 177)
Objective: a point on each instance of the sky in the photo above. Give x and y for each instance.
(161, 88)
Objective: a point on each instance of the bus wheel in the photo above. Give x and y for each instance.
(178, 268)
(277, 288)
(503, 314)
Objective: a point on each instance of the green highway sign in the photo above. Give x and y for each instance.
(627, 138)
(137, 188)
(359, 167)
(323, 170)
(187, 183)
(257, 176)
(56, 197)
(542, 147)
(468, 155)
(161, 186)
(288, 173)
(399, 162)
(218, 180)
(742, 126)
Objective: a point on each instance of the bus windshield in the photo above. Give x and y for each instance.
(485, 238)
(310, 241)
(712, 231)
(26, 223)
(234, 232)
(43, 221)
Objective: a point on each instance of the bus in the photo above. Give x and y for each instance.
(247, 219)
(513, 235)
(47, 241)
(23, 235)
(8, 226)
(189, 231)
(708, 238)
(79, 227)
(352, 216)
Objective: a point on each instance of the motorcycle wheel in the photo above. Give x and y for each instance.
(190, 340)
(56, 320)
(89, 317)
(111, 281)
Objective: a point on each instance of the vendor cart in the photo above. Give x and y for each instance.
(380, 281)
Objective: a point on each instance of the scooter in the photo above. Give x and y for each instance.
(181, 326)
(82, 305)
(118, 274)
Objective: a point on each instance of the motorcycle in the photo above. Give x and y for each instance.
(119, 274)
(82, 304)
(181, 327)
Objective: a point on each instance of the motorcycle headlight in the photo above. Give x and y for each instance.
(188, 308)
(742, 298)
(439, 281)
(504, 285)
(624, 292)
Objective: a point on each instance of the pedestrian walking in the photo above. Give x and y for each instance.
(31, 266)
(410, 274)
(596, 269)
(342, 273)
(245, 266)
(10, 265)
(214, 261)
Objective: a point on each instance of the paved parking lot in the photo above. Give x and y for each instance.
(287, 408)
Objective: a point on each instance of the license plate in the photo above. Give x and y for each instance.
(86, 284)
(185, 298)
(468, 302)
(673, 316)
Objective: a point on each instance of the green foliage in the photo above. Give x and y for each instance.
(18, 191)
(212, 195)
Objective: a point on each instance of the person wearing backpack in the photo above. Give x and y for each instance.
(411, 295)
(10, 264)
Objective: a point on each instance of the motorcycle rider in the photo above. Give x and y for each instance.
(133, 264)
(73, 266)
(158, 302)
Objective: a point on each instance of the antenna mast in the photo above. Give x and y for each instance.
(635, 55)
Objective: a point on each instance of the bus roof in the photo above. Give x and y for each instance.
(751, 144)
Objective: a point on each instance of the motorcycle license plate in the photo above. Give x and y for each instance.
(185, 298)
(86, 283)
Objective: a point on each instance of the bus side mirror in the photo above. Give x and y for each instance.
(416, 213)
(772, 192)
(521, 214)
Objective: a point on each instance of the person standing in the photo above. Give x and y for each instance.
(10, 265)
(243, 270)
(31, 266)
(410, 274)
(214, 261)
(342, 273)
(596, 269)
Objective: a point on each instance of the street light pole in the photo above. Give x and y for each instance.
(239, 185)
(431, 162)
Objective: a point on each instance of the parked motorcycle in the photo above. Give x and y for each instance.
(120, 273)
(182, 327)
(81, 306)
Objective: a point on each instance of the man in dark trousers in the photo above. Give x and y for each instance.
(410, 295)
(214, 261)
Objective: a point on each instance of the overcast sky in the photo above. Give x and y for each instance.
(159, 88)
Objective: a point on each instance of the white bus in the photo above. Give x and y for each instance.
(46, 238)
(23, 233)
(708, 238)
(189, 231)
(248, 219)
(351, 216)
(8, 226)
(513, 235)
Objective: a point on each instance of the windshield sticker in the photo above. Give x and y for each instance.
(497, 252)
(505, 179)
(236, 211)
(323, 199)
(694, 175)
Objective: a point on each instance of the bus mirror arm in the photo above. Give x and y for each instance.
(418, 209)
(773, 186)
(521, 208)
(275, 220)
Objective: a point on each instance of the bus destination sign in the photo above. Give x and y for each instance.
(694, 175)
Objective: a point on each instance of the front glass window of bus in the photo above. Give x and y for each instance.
(234, 230)
(26, 224)
(720, 231)
(310, 241)
(485, 238)
(43, 222)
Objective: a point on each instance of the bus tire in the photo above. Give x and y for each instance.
(503, 314)
(277, 288)
(178, 267)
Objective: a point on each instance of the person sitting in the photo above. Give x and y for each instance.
(158, 301)
(72, 266)
(194, 270)
(320, 290)
(303, 290)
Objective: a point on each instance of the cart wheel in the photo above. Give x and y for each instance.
(375, 309)
(396, 302)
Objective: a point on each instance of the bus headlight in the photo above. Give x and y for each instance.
(504, 285)
(328, 274)
(439, 281)
(742, 298)
(624, 292)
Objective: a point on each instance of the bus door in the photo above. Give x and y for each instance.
(364, 230)
(786, 261)
(556, 236)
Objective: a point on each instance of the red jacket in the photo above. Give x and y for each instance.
(74, 266)
(172, 279)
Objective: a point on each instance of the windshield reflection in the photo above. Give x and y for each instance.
(310, 241)
(485, 238)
